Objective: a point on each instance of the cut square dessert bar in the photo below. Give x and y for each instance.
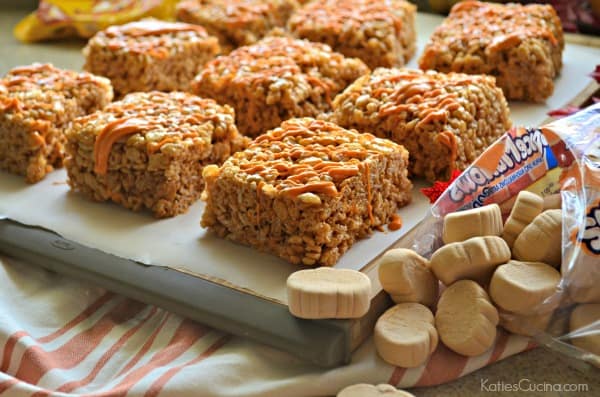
(150, 55)
(520, 45)
(148, 150)
(307, 190)
(37, 103)
(276, 79)
(444, 120)
(379, 32)
(237, 22)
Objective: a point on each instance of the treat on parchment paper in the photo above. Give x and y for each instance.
(150, 55)
(148, 150)
(520, 45)
(37, 104)
(444, 120)
(276, 79)
(305, 191)
(379, 32)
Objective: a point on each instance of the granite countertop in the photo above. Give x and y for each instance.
(537, 371)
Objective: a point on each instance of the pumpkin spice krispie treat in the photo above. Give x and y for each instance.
(276, 79)
(306, 191)
(379, 32)
(37, 103)
(444, 120)
(148, 150)
(236, 22)
(520, 45)
(150, 55)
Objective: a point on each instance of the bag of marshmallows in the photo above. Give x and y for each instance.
(538, 190)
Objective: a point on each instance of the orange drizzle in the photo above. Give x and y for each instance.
(395, 223)
(325, 187)
(44, 76)
(322, 84)
(33, 68)
(158, 44)
(427, 96)
(342, 15)
(448, 139)
(155, 147)
(369, 198)
(109, 135)
(9, 103)
(151, 28)
(310, 156)
(18, 80)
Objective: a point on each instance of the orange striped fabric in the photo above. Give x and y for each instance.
(60, 337)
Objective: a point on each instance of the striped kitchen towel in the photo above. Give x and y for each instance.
(62, 337)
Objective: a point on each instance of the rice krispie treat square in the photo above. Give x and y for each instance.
(237, 22)
(150, 55)
(519, 45)
(379, 32)
(37, 103)
(306, 191)
(148, 150)
(444, 120)
(276, 79)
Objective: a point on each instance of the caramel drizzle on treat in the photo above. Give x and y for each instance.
(495, 26)
(395, 222)
(141, 122)
(346, 15)
(328, 154)
(43, 76)
(159, 46)
(448, 139)
(423, 95)
(429, 96)
(109, 135)
(9, 103)
(368, 183)
(151, 28)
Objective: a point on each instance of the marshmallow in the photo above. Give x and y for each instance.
(583, 281)
(328, 293)
(553, 202)
(541, 240)
(466, 319)
(474, 259)
(526, 325)
(585, 315)
(476, 222)
(364, 390)
(521, 287)
(405, 335)
(527, 206)
(406, 276)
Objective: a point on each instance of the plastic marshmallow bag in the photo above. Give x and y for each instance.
(560, 162)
